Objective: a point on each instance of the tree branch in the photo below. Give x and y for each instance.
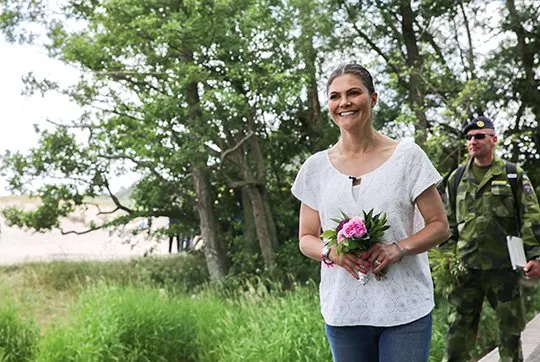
(80, 232)
(235, 147)
(116, 200)
(375, 47)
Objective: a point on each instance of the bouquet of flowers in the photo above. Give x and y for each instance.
(356, 234)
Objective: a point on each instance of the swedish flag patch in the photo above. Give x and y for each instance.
(499, 183)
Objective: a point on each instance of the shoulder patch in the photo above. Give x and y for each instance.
(527, 187)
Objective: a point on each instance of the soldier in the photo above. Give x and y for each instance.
(482, 211)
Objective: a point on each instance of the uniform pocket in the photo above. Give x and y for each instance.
(502, 201)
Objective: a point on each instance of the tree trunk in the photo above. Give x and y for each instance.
(414, 65)
(270, 220)
(470, 50)
(261, 224)
(214, 249)
(529, 87)
(266, 233)
(250, 233)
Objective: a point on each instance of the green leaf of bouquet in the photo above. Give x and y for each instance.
(329, 234)
(344, 215)
(369, 214)
(336, 220)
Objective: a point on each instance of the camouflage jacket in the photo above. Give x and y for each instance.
(485, 214)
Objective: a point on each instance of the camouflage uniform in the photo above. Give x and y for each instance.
(483, 215)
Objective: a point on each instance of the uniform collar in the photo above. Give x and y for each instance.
(495, 169)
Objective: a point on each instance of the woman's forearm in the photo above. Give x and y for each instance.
(311, 246)
(430, 236)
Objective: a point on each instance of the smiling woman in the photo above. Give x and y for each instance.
(377, 320)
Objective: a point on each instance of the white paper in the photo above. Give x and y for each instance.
(516, 251)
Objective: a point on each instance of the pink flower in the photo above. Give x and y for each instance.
(355, 228)
(340, 236)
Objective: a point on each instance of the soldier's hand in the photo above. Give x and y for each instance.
(532, 269)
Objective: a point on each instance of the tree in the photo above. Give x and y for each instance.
(172, 89)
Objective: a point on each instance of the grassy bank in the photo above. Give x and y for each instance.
(150, 310)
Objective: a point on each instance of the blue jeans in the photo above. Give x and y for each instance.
(407, 342)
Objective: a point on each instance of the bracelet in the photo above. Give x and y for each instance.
(329, 263)
(324, 257)
(402, 251)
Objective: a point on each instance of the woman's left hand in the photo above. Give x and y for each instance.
(382, 255)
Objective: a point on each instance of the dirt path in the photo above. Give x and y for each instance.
(19, 246)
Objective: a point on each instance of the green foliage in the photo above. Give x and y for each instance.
(184, 272)
(446, 270)
(266, 325)
(18, 338)
(258, 319)
(233, 86)
(293, 266)
(125, 324)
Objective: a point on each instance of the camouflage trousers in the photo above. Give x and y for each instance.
(501, 288)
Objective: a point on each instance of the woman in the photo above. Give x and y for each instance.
(388, 319)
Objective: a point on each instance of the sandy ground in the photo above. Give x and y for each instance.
(20, 246)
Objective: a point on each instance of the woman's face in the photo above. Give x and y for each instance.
(349, 102)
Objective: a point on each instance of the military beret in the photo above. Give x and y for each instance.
(480, 122)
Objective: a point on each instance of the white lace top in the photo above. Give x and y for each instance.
(407, 292)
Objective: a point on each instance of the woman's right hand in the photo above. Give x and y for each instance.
(351, 262)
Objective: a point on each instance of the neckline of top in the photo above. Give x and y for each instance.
(327, 152)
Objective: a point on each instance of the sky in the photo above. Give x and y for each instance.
(18, 113)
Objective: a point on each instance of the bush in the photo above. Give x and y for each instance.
(18, 338)
(292, 262)
(183, 272)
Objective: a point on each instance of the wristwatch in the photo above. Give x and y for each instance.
(324, 255)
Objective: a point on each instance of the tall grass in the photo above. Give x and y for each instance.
(147, 313)
(123, 324)
(266, 324)
(18, 338)
(181, 272)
